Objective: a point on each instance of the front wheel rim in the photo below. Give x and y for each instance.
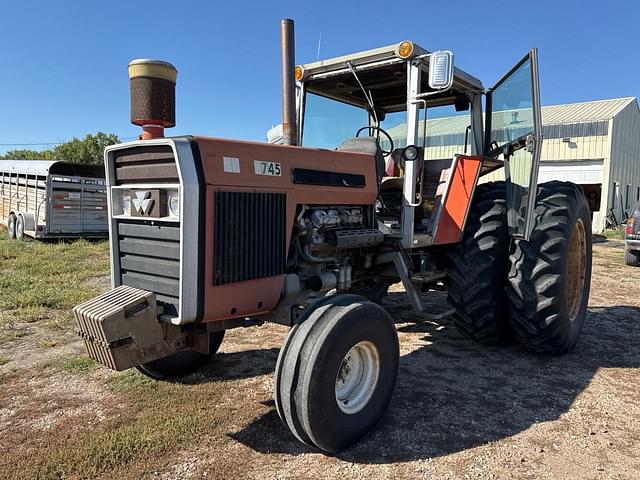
(357, 377)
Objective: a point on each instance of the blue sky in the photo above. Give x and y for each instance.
(63, 64)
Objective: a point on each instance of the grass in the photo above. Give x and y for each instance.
(103, 450)
(80, 364)
(153, 420)
(40, 282)
(614, 234)
(3, 360)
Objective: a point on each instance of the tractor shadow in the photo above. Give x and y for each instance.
(453, 394)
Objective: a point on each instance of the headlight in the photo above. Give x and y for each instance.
(125, 202)
(173, 203)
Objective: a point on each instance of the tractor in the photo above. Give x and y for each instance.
(393, 165)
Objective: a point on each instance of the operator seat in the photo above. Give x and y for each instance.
(368, 145)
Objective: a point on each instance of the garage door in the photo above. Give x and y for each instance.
(577, 171)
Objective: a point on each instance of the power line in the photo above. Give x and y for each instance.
(40, 144)
(29, 144)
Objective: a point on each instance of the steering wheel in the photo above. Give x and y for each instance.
(385, 153)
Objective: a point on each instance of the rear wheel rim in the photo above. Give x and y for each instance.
(576, 268)
(11, 226)
(357, 377)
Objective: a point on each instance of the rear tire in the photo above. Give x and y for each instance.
(182, 363)
(11, 226)
(336, 372)
(550, 275)
(631, 258)
(477, 268)
(20, 228)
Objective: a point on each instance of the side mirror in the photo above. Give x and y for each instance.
(441, 70)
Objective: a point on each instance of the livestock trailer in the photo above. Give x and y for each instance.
(52, 199)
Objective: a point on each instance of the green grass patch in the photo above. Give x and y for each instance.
(42, 281)
(81, 364)
(103, 450)
(3, 360)
(614, 234)
(134, 383)
(156, 418)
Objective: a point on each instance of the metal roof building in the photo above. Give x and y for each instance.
(594, 144)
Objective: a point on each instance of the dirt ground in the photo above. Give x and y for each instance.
(460, 410)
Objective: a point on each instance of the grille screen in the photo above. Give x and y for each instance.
(152, 164)
(150, 260)
(249, 236)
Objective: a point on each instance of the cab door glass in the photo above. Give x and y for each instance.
(513, 135)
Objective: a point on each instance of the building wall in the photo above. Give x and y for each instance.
(624, 166)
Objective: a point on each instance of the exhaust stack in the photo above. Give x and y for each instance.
(153, 96)
(287, 53)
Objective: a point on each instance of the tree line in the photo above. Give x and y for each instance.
(89, 150)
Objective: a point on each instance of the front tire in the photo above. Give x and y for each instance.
(182, 363)
(336, 373)
(550, 274)
(477, 269)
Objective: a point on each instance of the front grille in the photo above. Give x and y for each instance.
(149, 252)
(152, 164)
(249, 236)
(150, 260)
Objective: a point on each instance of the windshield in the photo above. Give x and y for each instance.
(328, 123)
(446, 131)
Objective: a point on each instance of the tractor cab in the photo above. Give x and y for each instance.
(423, 120)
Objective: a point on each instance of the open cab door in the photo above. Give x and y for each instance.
(513, 134)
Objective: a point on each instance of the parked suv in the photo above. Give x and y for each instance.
(632, 238)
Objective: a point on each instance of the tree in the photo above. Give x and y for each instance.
(88, 150)
(27, 155)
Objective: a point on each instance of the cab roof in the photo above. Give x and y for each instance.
(383, 72)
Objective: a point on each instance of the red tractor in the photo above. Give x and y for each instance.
(373, 185)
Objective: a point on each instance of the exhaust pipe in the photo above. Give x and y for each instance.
(287, 53)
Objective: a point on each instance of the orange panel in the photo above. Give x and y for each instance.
(252, 297)
(457, 202)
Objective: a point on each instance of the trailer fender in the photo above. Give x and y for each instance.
(28, 219)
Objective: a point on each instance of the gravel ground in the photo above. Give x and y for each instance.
(460, 410)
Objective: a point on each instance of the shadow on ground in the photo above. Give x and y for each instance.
(234, 366)
(453, 394)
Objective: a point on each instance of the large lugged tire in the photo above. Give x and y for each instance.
(336, 372)
(550, 274)
(477, 268)
(182, 363)
(631, 258)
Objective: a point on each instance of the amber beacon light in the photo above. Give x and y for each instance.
(153, 96)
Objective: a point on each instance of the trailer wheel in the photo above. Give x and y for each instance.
(20, 228)
(550, 274)
(477, 268)
(336, 374)
(631, 258)
(11, 226)
(182, 363)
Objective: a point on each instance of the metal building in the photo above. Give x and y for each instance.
(593, 144)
